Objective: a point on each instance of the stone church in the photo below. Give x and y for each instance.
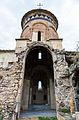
(39, 71)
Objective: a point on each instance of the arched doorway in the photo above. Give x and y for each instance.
(38, 86)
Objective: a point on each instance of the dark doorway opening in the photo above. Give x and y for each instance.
(38, 88)
(39, 85)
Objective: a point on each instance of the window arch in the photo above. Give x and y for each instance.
(39, 85)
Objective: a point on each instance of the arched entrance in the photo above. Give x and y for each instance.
(38, 86)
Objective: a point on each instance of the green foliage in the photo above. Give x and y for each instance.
(48, 118)
(53, 118)
(64, 110)
(1, 116)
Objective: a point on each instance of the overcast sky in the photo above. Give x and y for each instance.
(66, 11)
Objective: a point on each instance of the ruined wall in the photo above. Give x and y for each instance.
(7, 57)
(63, 85)
(9, 84)
(61, 76)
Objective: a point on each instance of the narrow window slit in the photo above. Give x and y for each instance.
(39, 85)
(39, 55)
(39, 36)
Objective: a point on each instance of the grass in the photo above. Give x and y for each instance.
(48, 118)
(40, 118)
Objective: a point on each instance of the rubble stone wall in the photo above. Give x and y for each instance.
(7, 57)
(9, 85)
(63, 87)
(11, 81)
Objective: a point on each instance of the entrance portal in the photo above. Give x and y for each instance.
(38, 86)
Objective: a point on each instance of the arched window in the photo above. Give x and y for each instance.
(39, 55)
(39, 36)
(39, 85)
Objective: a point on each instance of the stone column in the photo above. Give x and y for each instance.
(25, 97)
(52, 95)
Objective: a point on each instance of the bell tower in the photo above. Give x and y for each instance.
(36, 45)
(39, 25)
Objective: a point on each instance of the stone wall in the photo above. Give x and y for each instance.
(9, 84)
(7, 57)
(63, 87)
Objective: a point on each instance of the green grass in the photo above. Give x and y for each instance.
(48, 118)
(40, 118)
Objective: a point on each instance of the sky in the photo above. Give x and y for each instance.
(66, 11)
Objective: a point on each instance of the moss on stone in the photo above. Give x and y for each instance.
(64, 110)
(1, 116)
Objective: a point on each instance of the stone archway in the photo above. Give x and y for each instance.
(38, 72)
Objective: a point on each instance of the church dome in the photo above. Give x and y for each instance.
(37, 14)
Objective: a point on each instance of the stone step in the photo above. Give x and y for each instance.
(36, 111)
(39, 107)
(38, 114)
